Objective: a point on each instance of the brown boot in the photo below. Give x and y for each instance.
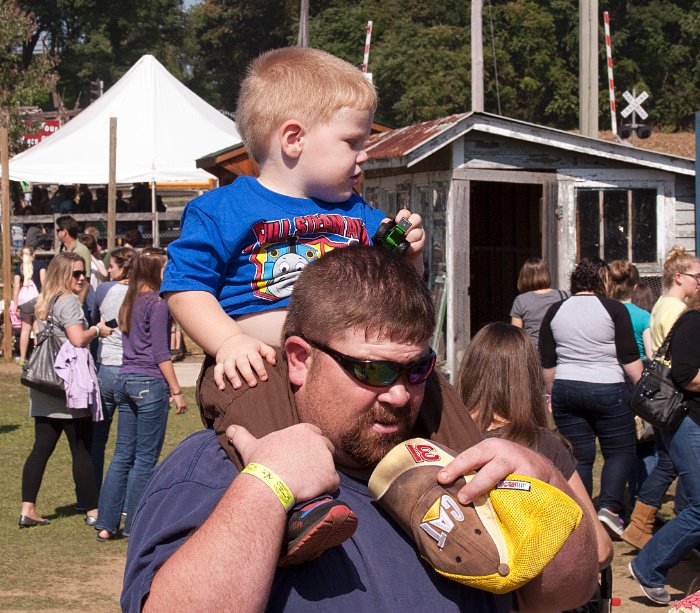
(639, 531)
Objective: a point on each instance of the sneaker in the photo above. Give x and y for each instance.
(656, 594)
(612, 522)
(315, 526)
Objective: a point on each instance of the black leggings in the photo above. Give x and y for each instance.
(47, 431)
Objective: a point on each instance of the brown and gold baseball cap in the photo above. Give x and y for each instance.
(498, 543)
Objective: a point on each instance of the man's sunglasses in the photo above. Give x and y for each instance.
(76, 274)
(379, 373)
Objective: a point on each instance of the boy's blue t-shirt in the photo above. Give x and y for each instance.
(247, 245)
(640, 322)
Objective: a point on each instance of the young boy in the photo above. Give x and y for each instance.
(304, 116)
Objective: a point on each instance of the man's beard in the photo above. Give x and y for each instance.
(368, 447)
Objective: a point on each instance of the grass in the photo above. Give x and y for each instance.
(41, 568)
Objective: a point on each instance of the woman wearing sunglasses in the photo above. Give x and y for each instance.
(65, 279)
(143, 390)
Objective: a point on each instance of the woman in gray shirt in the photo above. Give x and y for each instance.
(536, 296)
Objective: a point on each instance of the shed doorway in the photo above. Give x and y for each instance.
(505, 228)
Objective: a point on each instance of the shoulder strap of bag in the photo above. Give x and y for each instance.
(663, 353)
(49, 311)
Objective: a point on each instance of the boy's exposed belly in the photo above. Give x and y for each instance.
(265, 326)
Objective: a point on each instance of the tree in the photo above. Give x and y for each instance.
(103, 39)
(21, 83)
(225, 35)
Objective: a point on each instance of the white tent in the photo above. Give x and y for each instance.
(162, 128)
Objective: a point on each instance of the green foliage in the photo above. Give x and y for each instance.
(420, 55)
(21, 84)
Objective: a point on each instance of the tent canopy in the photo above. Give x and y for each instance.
(162, 128)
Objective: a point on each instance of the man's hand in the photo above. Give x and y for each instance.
(495, 459)
(241, 357)
(300, 455)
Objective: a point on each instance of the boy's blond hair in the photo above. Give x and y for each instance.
(296, 83)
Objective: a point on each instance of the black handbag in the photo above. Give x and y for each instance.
(656, 398)
(39, 372)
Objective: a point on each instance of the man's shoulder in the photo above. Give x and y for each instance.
(198, 458)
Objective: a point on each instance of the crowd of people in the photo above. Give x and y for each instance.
(316, 370)
(115, 356)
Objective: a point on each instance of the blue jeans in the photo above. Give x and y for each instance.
(670, 544)
(583, 411)
(106, 377)
(142, 404)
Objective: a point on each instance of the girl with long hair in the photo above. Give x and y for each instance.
(28, 280)
(624, 277)
(587, 348)
(109, 297)
(144, 389)
(536, 296)
(500, 383)
(65, 278)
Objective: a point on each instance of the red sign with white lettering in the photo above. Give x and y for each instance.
(48, 127)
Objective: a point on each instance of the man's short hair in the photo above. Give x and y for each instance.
(68, 223)
(296, 83)
(362, 288)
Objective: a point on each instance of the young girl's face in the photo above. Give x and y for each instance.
(115, 272)
(689, 280)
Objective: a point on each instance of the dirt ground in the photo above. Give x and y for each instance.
(624, 587)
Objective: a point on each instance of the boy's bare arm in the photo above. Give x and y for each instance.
(238, 355)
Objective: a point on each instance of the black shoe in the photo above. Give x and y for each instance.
(27, 522)
(315, 526)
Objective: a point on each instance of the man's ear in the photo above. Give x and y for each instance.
(291, 135)
(298, 359)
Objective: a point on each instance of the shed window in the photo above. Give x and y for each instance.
(616, 223)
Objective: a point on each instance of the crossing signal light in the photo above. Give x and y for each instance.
(626, 131)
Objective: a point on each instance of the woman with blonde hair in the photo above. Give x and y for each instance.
(681, 280)
(536, 296)
(65, 278)
(28, 280)
(500, 383)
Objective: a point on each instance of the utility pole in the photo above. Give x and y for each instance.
(303, 40)
(588, 67)
(477, 57)
(7, 340)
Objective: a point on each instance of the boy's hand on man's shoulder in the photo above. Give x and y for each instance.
(241, 357)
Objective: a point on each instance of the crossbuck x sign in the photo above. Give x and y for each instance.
(635, 105)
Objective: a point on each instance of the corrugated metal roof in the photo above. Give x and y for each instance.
(402, 141)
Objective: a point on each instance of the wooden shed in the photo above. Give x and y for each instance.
(495, 191)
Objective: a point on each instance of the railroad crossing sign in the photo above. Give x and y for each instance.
(635, 105)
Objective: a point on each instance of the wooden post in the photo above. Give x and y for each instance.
(303, 38)
(112, 187)
(6, 254)
(588, 67)
(477, 57)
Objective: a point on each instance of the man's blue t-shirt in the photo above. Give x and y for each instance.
(247, 245)
(378, 569)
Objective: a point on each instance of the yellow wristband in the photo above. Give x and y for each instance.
(272, 481)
